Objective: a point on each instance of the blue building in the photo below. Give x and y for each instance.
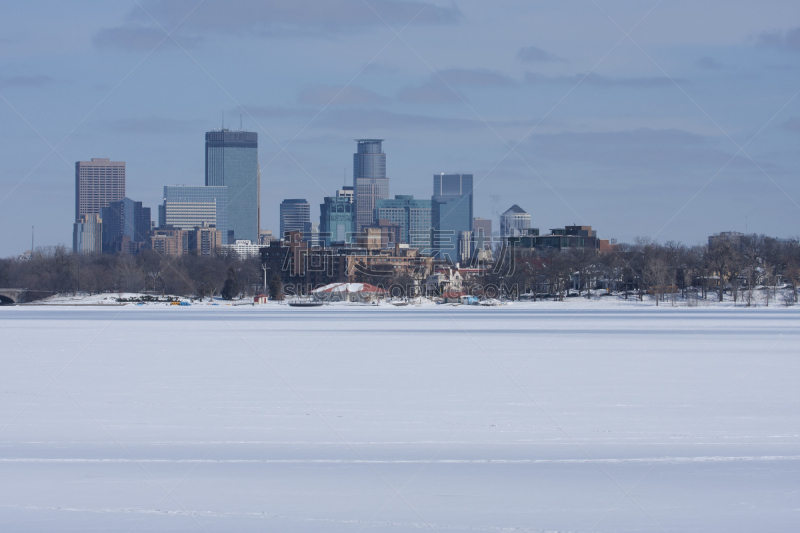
(451, 215)
(370, 183)
(337, 222)
(232, 161)
(126, 226)
(295, 216)
(188, 207)
(413, 217)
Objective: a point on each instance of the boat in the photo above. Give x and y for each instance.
(304, 303)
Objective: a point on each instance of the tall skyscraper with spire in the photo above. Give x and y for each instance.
(370, 183)
(232, 161)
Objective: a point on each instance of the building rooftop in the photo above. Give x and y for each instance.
(516, 209)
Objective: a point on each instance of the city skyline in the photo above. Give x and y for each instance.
(670, 121)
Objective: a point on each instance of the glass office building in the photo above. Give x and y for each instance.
(370, 183)
(413, 217)
(337, 219)
(122, 219)
(295, 216)
(451, 214)
(188, 207)
(232, 161)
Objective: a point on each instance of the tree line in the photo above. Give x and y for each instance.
(736, 266)
(733, 266)
(58, 270)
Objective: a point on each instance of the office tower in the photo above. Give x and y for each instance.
(97, 183)
(346, 192)
(451, 213)
(295, 213)
(87, 235)
(514, 221)
(482, 233)
(311, 234)
(126, 225)
(187, 207)
(464, 247)
(337, 219)
(369, 180)
(232, 161)
(413, 217)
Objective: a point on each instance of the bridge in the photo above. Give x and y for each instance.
(17, 296)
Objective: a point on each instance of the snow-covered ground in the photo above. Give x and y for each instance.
(567, 416)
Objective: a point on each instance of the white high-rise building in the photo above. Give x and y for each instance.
(514, 221)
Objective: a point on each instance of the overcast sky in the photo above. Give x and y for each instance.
(672, 119)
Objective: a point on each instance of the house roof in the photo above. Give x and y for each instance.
(349, 287)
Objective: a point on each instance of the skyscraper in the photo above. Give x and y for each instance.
(295, 216)
(126, 225)
(451, 214)
(97, 183)
(232, 161)
(514, 222)
(87, 235)
(413, 217)
(369, 180)
(187, 207)
(482, 233)
(337, 218)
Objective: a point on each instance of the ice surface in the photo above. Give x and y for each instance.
(348, 418)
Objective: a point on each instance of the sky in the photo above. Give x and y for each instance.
(671, 120)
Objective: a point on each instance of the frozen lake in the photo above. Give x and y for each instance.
(348, 419)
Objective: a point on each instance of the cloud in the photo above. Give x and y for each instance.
(709, 63)
(137, 38)
(793, 125)
(643, 150)
(532, 54)
(603, 81)
(379, 122)
(151, 125)
(433, 91)
(337, 95)
(26, 81)
(439, 89)
(789, 40)
(265, 18)
(474, 77)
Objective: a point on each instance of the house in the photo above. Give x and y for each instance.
(260, 299)
(444, 280)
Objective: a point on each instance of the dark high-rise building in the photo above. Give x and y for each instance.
(126, 225)
(97, 183)
(451, 214)
(337, 218)
(232, 161)
(369, 180)
(295, 216)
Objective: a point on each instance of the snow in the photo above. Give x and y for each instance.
(549, 416)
